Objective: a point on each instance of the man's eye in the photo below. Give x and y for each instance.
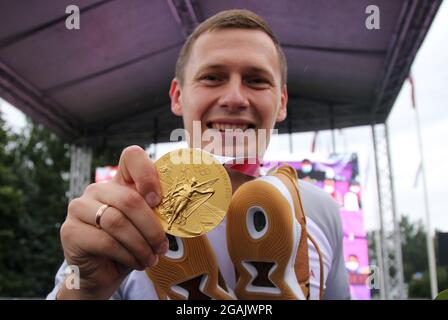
(258, 82)
(210, 78)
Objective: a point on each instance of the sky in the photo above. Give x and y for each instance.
(430, 72)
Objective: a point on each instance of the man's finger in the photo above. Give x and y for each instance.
(119, 227)
(135, 167)
(133, 206)
(99, 243)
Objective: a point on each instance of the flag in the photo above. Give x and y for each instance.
(314, 142)
(366, 172)
(411, 82)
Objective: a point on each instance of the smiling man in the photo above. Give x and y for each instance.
(230, 80)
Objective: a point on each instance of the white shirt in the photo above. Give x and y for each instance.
(323, 224)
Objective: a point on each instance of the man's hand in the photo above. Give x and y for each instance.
(131, 236)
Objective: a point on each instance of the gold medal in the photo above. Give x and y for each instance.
(196, 192)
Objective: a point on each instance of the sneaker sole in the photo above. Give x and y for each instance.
(264, 259)
(189, 271)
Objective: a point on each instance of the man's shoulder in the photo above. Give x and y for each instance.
(317, 199)
(322, 209)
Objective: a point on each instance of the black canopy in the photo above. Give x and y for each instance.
(107, 83)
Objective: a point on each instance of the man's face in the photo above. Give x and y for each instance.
(232, 81)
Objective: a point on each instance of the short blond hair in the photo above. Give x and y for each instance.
(230, 19)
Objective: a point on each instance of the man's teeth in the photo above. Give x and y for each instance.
(227, 126)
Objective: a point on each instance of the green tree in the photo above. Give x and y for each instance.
(34, 180)
(413, 248)
(415, 259)
(34, 169)
(12, 209)
(43, 170)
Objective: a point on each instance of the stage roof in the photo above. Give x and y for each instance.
(106, 84)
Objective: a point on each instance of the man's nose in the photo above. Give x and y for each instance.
(234, 97)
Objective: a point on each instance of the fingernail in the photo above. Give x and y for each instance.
(153, 199)
(153, 260)
(163, 248)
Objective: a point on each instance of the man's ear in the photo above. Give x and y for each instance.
(281, 114)
(175, 95)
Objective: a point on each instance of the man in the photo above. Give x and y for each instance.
(230, 75)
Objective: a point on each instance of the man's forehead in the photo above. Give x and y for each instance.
(214, 49)
(232, 38)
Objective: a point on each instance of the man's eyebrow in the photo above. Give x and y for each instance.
(212, 67)
(251, 69)
(254, 69)
(207, 68)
